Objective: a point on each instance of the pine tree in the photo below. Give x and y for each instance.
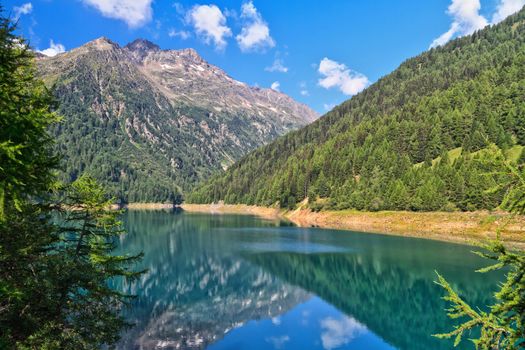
(53, 273)
(26, 159)
(26, 180)
(87, 309)
(503, 327)
(398, 198)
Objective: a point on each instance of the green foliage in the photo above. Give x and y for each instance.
(503, 327)
(26, 171)
(26, 160)
(89, 309)
(382, 149)
(60, 266)
(56, 243)
(130, 168)
(25, 237)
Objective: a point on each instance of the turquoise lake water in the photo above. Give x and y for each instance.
(239, 282)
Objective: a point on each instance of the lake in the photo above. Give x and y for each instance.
(240, 282)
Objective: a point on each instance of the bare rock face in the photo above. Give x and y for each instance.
(149, 122)
(184, 75)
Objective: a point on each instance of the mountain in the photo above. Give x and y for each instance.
(433, 135)
(148, 123)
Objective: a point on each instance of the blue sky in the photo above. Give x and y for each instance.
(318, 52)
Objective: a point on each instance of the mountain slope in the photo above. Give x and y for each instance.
(149, 123)
(363, 154)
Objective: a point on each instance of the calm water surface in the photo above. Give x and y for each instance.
(240, 282)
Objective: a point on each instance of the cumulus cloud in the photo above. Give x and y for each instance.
(305, 93)
(255, 34)
(173, 33)
(275, 86)
(277, 66)
(24, 9)
(336, 333)
(445, 37)
(506, 8)
(466, 20)
(210, 24)
(134, 12)
(335, 74)
(53, 49)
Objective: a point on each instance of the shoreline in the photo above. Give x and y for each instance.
(456, 227)
(242, 209)
(145, 206)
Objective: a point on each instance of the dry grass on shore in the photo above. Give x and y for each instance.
(459, 227)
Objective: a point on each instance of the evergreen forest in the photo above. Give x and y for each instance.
(435, 134)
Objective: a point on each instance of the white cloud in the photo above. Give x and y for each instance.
(179, 8)
(304, 90)
(445, 37)
(53, 49)
(210, 24)
(230, 13)
(134, 12)
(277, 66)
(506, 8)
(275, 86)
(328, 106)
(255, 34)
(338, 75)
(24, 9)
(466, 20)
(173, 33)
(336, 333)
(278, 342)
(305, 315)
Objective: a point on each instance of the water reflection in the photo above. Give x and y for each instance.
(236, 282)
(196, 290)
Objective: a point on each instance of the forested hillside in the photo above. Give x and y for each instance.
(433, 135)
(149, 123)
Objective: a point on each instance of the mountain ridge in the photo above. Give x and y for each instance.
(141, 51)
(149, 123)
(467, 94)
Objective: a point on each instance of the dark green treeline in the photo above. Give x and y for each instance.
(433, 135)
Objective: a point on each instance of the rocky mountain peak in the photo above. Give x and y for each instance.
(102, 43)
(142, 45)
(140, 48)
(191, 53)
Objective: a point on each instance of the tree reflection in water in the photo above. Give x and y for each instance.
(210, 274)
